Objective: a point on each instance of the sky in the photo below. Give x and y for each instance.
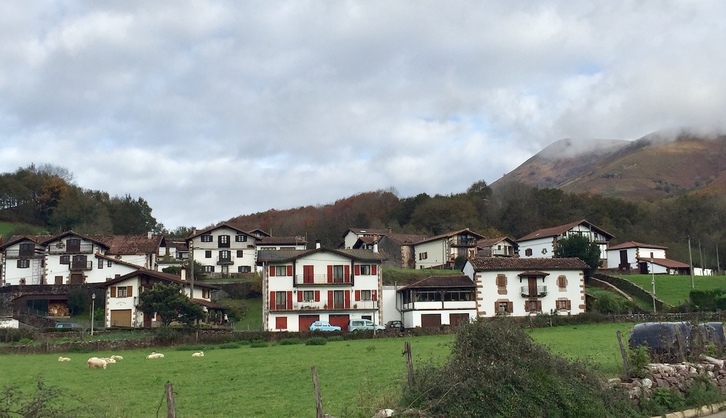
(214, 109)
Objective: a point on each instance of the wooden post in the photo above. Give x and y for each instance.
(318, 398)
(170, 407)
(626, 364)
(409, 362)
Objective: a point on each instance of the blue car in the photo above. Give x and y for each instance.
(323, 326)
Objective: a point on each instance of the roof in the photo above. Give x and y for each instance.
(367, 231)
(439, 282)
(665, 262)
(281, 256)
(451, 234)
(635, 244)
(406, 239)
(115, 244)
(490, 242)
(281, 241)
(527, 264)
(218, 226)
(95, 239)
(37, 239)
(156, 275)
(117, 261)
(561, 229)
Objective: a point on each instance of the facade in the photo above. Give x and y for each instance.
(528, 286)
(303, 286)
(352, 235)
(644, 259)
(122, 298)
(23, 261)
(497, 247)
(436, 301)
(442, 250)
(541, 243)
(223, 250)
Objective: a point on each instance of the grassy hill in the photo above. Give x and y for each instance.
(675, 289)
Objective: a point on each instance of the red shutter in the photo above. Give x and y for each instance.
(272, 301)
(330, 299)
(346, 277)
(356, 270)
(330, 274)
(289, 299)
(374, 269)
(317, 296)
(289, 270)
(347, 300)
(272, 271)
(300, 296)
(374, 295)
(357, 295)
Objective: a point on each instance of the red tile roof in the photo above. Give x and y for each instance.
(561, 229)
(635, 244)
(505, 263)
(442, 282)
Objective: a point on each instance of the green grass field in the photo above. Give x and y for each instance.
(675, 289)
(356, 376)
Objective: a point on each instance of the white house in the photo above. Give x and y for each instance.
(436, 301)
(528, 286)
(122, 298)
(442, 250)
(497, 247)
(352, 235)
(541, 243)
(22, 261)
(303, 286)
(223, 249)
(644, 259)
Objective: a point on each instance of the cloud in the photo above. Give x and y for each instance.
(209, 110)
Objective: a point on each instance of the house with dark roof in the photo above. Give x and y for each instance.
(541, 243)
(122, 299)
(644, 259)
(396, 248)
(497, 247)
(353, 235)
(441, 251)
(436, 301)
(303, 286)
(528, 286)
(223, 249)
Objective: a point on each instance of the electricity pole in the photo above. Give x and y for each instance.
(690, 261)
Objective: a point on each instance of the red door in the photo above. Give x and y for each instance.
(305, 320)
(340, 320)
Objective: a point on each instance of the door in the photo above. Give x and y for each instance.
(624, 265)
(339, 320)
(308, 274)
(76, 278)
(532, 282)
(430, 320)
(121, 318)
(147, 321)
(304, 321)
(458, 319)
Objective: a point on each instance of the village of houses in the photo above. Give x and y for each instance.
(303, 283)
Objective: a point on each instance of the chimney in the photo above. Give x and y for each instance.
(317, 243)
(375, 247)
(148, 235)
(183, 274)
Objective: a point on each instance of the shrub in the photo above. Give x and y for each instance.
(639, 360)
(166, 335)
(193, 348)
(12, 335)
(316, 341)
(495, 369)
(228, 346)
(290, 341)
(336, 338)
(664, 400)
(702, 391)
(258, 344)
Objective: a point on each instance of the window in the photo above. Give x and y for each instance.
(240, 238)
(207, 238)
(339, 299)
(562, 283)
(121, 292)
(365, 269)
(533, 306)
(206, 293)
(27, 249)
(308, 296)
(240, 253)
(73, 245)
(366, 295)
(280, 270)
(280, 300)
(338, 274)
(528, 252)
(563, 305)
(65, 259)
(209, 269)
(244, 269)
(503, 307)
(109, 263)
(223, 241)
(100, 263)
(423, 256)
(225, 255)
(501, 284)
(207, 254)
(23, 263)
(281, 322)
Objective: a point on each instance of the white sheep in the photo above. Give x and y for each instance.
(199, 354)
(96, 363)
(64, 359)
(109, 360)
(154, 355)
(117, 357)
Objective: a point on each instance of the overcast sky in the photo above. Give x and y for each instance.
(213, 109)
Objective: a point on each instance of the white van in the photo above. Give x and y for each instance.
(363, 324)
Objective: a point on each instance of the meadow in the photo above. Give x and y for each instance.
(675, 289)
(356, 376)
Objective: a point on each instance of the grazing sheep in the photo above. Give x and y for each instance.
(199, 354)
(96, 363)
(64, 359)
(154, 355)
(117, 357)
(109, 360)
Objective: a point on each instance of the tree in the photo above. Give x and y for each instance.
(581, 247)
(171, 304)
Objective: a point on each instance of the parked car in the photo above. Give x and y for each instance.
(67, 325)
(395, 325)
(323, 326)
(363, 324)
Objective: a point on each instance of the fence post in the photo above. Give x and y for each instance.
(170, 407)
(623, 353)
(318, 397)
(409, 362)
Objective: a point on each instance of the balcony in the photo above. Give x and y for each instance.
(62, 248)
(322, 279)
(225, 261)
(464, 242)
(80, 265)
(541, 291)
(15, 253)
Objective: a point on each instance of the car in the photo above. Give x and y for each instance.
(395, 325)
(363, 324)
(323, 326)
(67, 325)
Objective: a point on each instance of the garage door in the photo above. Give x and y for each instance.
(430, 320)
(305, 321)
(121, 318)
(458, 319)
(340, 320)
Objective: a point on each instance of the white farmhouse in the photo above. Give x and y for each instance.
(644, 259)
(541, 243)
(436, 301)
(528, 286)
(442, 250)
(223, 249)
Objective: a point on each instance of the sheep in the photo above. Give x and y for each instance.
(109, 360)
(96, 363)
(199, 354)
(154, 355)
(64, 359)
(117, 357)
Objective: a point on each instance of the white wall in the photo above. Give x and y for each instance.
(436, 253)
(613, 256)
(541, 248)
(248, 247)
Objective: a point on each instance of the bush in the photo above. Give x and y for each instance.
(13, 335)
(228, 346)
(316, 341)
(166, 335)
(290, 341)
(258, 344)
(497, 370)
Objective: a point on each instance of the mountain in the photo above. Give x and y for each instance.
(658, 165)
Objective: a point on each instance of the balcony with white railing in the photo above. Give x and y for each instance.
(539, 292)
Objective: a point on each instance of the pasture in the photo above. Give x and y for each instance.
(675, 289)
(356, 376)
